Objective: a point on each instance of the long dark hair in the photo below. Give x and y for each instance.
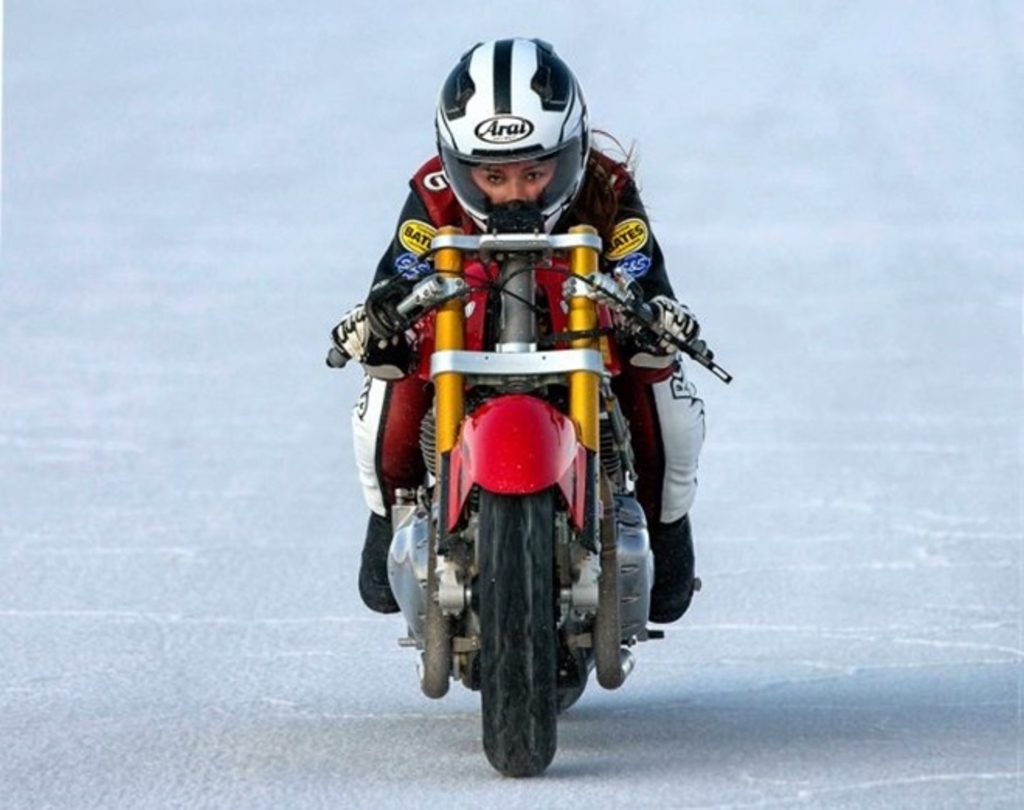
(607, 168)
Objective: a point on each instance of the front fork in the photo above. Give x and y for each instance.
(584, 386)
(449, 411)
(449, 386)
(610, 660)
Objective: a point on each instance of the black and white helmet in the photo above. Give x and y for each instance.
(510, 100)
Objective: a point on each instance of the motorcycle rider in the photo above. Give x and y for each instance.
(512, 127)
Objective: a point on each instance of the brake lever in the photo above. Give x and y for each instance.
(699, 352)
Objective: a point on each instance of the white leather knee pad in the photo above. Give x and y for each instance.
(366, 423)
(681, 418)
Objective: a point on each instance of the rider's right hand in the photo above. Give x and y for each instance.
(353, 338)
(385, 321)
(352, 334)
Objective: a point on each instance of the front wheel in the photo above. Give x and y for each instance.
(518, 660)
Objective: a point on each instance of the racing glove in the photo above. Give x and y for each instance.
(672, 322)
(382, 313)
(354, 339)
(351, 336)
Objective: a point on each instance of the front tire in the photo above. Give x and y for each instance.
(518, 658)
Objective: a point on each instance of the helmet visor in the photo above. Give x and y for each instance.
(468, 176)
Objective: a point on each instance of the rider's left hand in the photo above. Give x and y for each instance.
(673, 323)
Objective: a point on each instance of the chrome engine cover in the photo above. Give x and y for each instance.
(408, 559)
(636, 567)
(407, 564)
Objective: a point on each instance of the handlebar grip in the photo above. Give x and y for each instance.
(644, 312)
(336, 358)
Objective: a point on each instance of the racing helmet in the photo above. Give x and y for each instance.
(511, 100)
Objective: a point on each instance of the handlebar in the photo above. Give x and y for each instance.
(429, 293)
(617, 292)
(621, 294)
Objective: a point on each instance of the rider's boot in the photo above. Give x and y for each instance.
(674, 582)
(374, 587)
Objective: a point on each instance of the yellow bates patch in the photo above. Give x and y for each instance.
(415, 236)
(629, 235)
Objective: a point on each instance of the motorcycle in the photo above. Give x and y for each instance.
(523, 562)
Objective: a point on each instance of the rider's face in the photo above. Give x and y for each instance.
(522, 181)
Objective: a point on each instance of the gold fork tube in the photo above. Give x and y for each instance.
(449, 334)
(584, 403)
